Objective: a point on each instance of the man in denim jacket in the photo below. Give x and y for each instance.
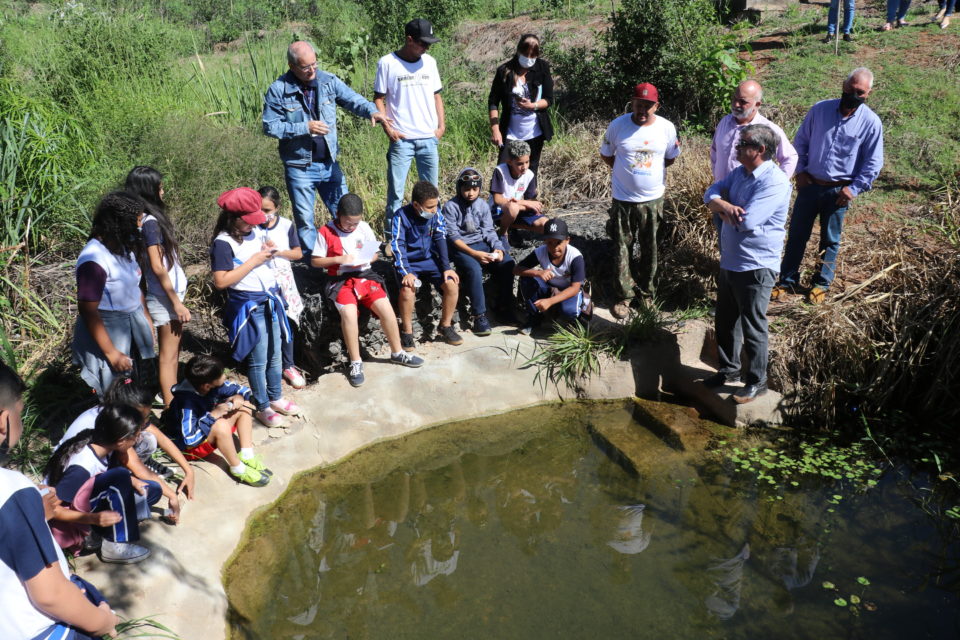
(300, 110)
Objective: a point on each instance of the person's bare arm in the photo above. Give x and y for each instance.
(51, 592)
(441, 116)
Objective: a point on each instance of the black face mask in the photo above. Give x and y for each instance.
(851, 100)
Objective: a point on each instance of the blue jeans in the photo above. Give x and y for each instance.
(264, 370)
(847, 16)
(897, 9)
(399, 154)
(532, 289)
(303, 183)
(948, 5)
(741, 321)
(813, 202)
(471, 277)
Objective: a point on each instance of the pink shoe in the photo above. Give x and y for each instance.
(286, 407)
(270, 418)
(293, 376)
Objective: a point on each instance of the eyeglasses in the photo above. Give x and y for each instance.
(308, 67)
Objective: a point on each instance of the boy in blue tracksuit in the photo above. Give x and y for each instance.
(207, 409)
(420, 250)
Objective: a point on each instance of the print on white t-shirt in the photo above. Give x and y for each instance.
(639, 153)
(409, 89)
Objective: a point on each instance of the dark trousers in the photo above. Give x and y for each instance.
(471, 277)
(536, 148)
(741, 322)
(533, 289)
(113, 491)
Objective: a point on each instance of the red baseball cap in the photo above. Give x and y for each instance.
(646, 91)
(244, 202)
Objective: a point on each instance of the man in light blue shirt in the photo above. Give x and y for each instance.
(840, 148)
(752, 202)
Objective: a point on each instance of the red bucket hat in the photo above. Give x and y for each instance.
(244, 202)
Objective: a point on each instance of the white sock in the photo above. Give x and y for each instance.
(353, 362)
(397, 354)
(237, 470)
(246, 453)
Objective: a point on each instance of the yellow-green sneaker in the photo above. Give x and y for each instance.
(251, 477)
(256, 462)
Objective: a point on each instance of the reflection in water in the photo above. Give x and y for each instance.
(630, 538)
(727, 575)
(540, 535)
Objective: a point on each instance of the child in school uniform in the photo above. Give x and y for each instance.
(241, 259)
(281, 232)
(113, 333)
(345, 247)
(40, 599)
(207, 410)
(552, 277)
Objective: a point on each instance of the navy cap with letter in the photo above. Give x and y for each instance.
(555, 229)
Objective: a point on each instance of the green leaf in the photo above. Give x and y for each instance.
(863, 581)
(840, 602)
(854, 599)
(828, 585)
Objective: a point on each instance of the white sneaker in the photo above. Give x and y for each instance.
(122, 552)
(270, 418)
(293, 376)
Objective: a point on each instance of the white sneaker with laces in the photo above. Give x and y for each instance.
(122, 552)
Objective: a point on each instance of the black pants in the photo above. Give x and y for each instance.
(741, 322)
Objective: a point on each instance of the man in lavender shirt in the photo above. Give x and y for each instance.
(744, 110)
(840, 149)
(752, 202)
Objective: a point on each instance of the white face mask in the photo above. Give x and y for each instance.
(525, 62)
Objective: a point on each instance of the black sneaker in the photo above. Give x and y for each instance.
(848, 37)
(829, 38)
(158, 468)
(481, 326)
(406, 341)
(355, 374)
(407, 360)
(450, 336)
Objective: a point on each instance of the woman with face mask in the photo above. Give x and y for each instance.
(521, 93)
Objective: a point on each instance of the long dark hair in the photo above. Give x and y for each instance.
(145, 182)
(126, 390)
(115, 422)
(226, 222)
(115, 224)
(526, 48)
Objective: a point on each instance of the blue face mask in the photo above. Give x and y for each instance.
(426, 215)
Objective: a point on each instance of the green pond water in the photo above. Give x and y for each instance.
(520, 526)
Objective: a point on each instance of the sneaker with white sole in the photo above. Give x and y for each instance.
(407, 343)
(256, 462)
(449, 335)
(407, 359)
(122, 552)
(294, 378)
(158, 468)
(251, 477)
(269, 418)
(355, 374)
(286, 407)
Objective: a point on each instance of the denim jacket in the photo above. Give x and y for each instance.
(285, 116)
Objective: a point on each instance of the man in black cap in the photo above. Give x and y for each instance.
(552, 277)
(407, 90)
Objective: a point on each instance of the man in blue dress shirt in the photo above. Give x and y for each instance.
(752, 201)
(840, 148)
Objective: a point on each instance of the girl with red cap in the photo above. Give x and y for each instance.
(241, 259)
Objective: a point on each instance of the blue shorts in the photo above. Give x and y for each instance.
(527, 219)
(427, 271)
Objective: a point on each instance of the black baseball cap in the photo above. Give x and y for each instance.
(555, 229)
(421, 29)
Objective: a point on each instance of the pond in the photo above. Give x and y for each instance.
(520, 526)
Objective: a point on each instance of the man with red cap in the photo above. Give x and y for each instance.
(638, 146)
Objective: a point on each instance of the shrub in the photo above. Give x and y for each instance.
(678, 45)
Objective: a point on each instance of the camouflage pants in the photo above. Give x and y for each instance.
(633, 228)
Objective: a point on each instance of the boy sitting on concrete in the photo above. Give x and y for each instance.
(476, 248)
(206, 411)
(420, 250)
(346, 246)
(514, 189)
(552, 277)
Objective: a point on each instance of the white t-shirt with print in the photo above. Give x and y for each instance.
(523, 122)
(333, 241)
(639, 153)
(229, 254)
(409, 89)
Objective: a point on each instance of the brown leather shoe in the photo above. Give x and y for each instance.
(780, 293)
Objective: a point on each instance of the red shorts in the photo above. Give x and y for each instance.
(360, 291)
(203, 449)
